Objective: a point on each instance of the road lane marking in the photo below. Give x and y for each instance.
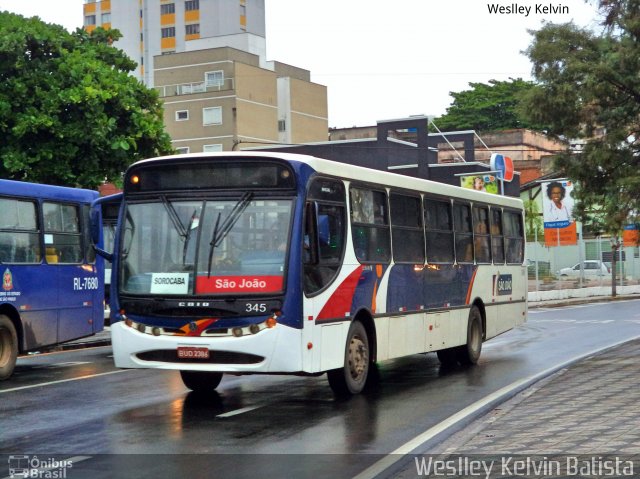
(240, 411)
(471, 412)
(22, 388)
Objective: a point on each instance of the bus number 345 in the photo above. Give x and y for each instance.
(255, 308)
(81, 284)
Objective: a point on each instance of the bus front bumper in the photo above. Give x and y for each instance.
(275, 350)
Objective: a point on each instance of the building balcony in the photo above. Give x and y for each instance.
(193, 88)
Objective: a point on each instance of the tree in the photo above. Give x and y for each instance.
(533, 221)
(588, 87)
(70, 113)
(488, 107)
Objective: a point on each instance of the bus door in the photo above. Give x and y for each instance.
(104, 221)
(71, 265)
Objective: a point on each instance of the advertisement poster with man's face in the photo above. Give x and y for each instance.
(557, 206)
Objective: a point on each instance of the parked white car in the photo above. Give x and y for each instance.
(591, 268)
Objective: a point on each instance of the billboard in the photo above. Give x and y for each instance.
(557, 207)
(481, 182)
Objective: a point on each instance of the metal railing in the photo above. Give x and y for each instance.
(194, 88)
(585, 265)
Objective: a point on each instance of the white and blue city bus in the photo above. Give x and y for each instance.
(250, 263)
(52, 281)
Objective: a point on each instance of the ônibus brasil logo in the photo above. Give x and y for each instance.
(7, 280)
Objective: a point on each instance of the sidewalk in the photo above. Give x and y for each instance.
(589, 410)
(591, 407)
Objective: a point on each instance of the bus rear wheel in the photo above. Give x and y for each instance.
(352, 377)
(8, 347)
(469, 353)
(201, 381)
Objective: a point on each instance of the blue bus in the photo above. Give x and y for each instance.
(262, 263)
(52, 282)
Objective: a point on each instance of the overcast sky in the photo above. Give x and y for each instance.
(383, 59)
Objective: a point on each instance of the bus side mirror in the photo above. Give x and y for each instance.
(96, 233)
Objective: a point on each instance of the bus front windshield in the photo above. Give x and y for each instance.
(205, 247)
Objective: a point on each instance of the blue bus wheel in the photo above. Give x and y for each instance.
(8, 347)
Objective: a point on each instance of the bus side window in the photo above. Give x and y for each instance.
(463, 233)
(323, 245)
(324, 234)
(514, 236)
(497, 238)
(439, 227)
(481, 238)
(370, 224)
(62, 234)
(407, 233)
(19, 235)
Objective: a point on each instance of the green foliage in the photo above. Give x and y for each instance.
(533, 221)
(488, 107)
(70, 113)
(589, 87)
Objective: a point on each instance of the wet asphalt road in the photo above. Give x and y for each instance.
(143, 423)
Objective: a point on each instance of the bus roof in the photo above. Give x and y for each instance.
(358, 173)
(50, 192)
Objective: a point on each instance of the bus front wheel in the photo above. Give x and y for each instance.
(469, 353)
(8, 347)
(201, 381)
(352, 377)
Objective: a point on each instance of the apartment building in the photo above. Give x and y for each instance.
(223, 99)
(156, 27)
(207, 59)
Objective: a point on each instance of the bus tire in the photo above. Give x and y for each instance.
(469, 353)
(8, 347)
(352, 377)
(201, 381)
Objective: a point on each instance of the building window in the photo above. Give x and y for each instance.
(106, 18)
(183, 150)
(212, 148)
(89, 20)
(168, 32)
(167, 8)
(214, 79)
(212, 116)
(182, 115)
(192, 29)
(192, 5)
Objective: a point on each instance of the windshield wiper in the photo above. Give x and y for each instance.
(187, 236)
(220, 231)
(175, 219)
(212, 245)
